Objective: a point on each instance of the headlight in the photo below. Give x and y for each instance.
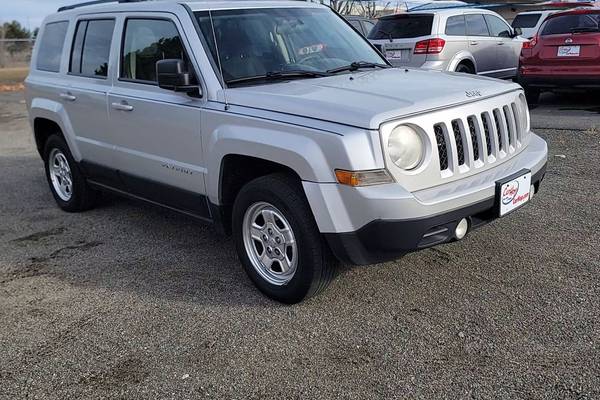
(405, 147)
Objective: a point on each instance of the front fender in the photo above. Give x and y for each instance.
(312, 154)
(55, 112)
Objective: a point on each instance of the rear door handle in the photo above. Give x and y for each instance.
(474, 42)
(500, 43)
(67, 96)
(123, 106)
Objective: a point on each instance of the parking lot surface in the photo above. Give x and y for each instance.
(131, 301)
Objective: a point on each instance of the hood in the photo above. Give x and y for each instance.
(366, 99)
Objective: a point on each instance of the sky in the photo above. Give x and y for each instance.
(30, 13)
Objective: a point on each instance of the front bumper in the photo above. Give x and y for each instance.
(384, 240)
(379, 223)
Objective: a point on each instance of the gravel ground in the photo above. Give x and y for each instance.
(130, 301)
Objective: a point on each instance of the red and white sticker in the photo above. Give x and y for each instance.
(515, 193)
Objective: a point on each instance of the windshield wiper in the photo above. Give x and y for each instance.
(355, 66)
(279, 75)
(584, 29)
(388, 34)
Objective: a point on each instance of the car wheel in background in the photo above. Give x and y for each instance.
(532, 95)
(278, 241)
(68, 186)
(464, 68)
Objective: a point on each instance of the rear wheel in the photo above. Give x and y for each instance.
(465, 68)
(67, 184)
(278, 241)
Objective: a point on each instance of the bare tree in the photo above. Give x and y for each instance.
(342, 6)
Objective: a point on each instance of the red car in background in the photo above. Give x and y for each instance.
(565, 53)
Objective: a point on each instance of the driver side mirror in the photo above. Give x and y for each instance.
(172, 74)
(517, 32)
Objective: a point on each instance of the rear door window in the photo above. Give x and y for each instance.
(51, 46)
(526, 20)
(572, 23)
(497, 27)
(91, 48)
(402, 27)
(476, 25)
(455, 26)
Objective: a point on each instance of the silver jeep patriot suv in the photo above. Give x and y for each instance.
(281, 125)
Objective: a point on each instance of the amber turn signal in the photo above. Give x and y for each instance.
(363, 178)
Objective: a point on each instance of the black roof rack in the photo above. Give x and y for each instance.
(94, 2)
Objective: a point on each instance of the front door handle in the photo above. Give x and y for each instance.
(500, 43)
(474, 42)
(123, 106)
(67, 96)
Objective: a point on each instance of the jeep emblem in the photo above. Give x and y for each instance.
(473, 93)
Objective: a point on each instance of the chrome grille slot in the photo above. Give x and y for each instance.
(510, 125)
(517, 116)
(485, 119)
(499, 129)
(442, 147)
(472, 121)
(458, 138)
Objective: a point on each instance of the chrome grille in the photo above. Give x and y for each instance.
(491, 135)
(441, 146)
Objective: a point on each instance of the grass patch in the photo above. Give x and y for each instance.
(13, 75)
(11, 79)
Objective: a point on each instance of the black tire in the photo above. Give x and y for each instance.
(532, 95)
(316, 265)
(82, 196)
(464, 68)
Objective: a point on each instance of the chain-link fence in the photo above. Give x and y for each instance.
(15, 52)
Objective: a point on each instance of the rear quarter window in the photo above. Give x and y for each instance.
(402, 27)
(51, 46)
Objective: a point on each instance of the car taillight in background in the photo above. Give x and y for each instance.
(530, 44)
(430, 46)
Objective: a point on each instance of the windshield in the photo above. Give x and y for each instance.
(270, 41)
(402, 26)
(526, 20)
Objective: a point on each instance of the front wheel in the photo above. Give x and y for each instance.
(278, 241)
(67, 183)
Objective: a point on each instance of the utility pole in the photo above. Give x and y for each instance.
(2, 44)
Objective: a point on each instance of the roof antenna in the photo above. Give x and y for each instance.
(212, 25)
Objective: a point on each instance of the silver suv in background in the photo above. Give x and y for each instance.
(530, 21)
(279, 124)
(361, 24)
(461, 40)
